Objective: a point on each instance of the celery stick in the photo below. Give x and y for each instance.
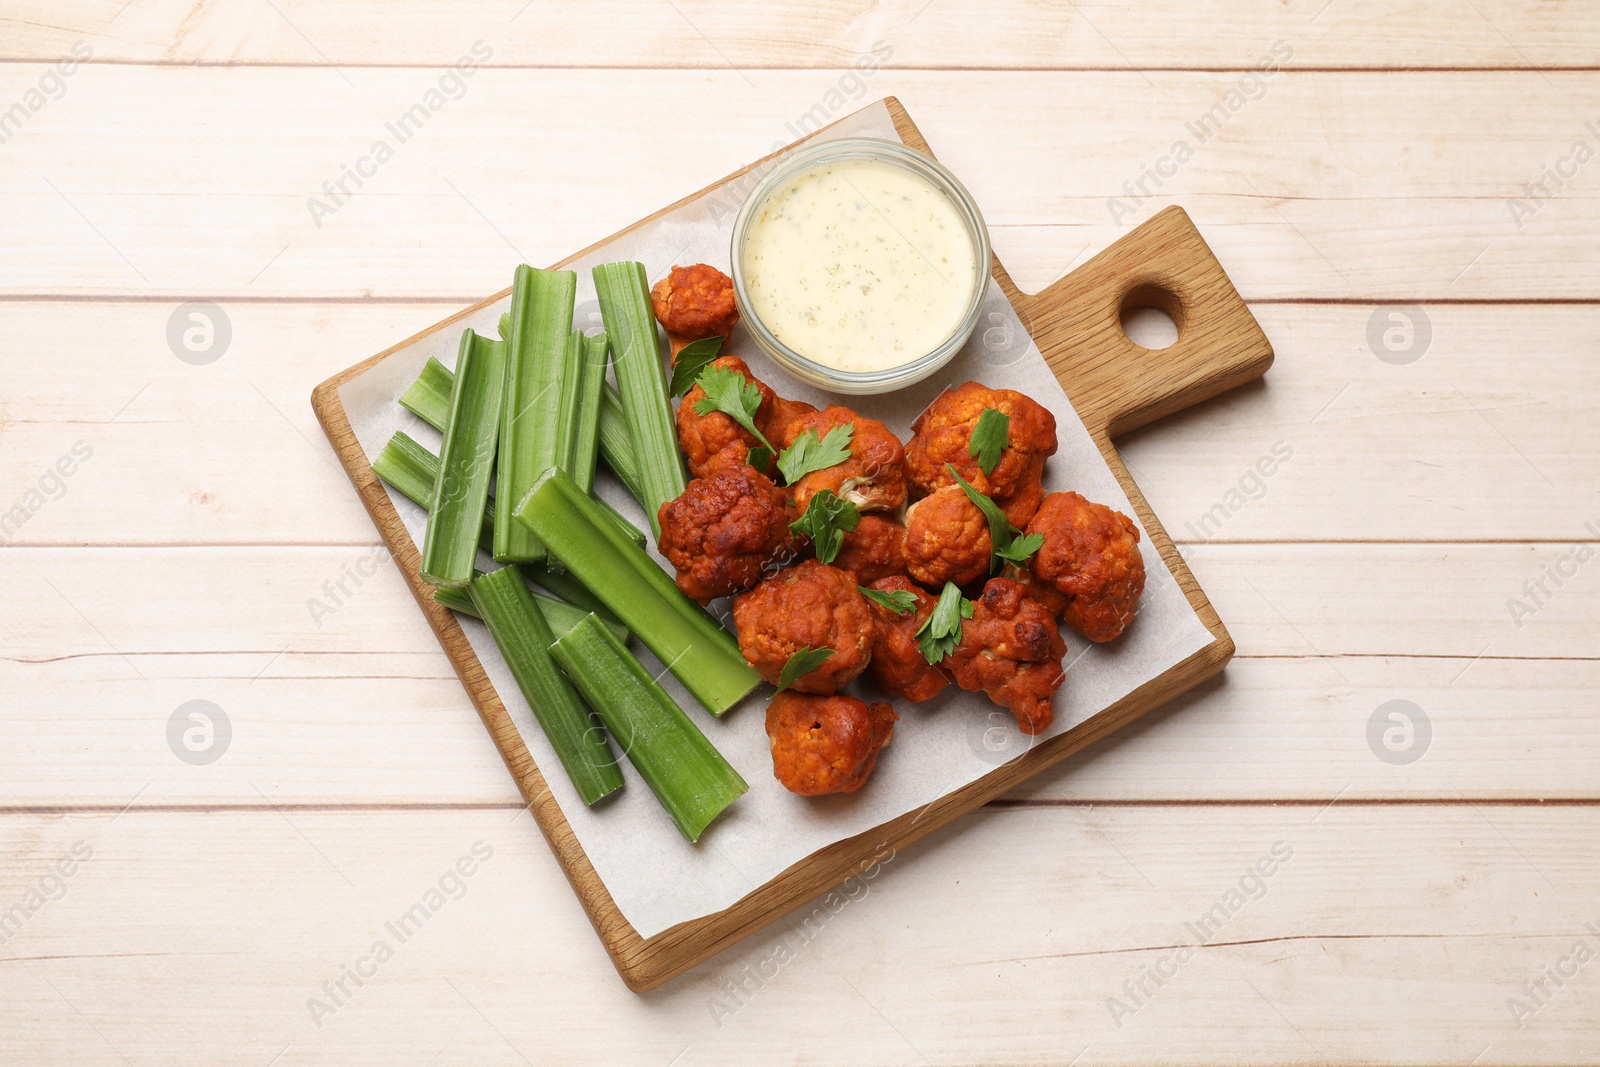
(685, 772)
(558, 613)
(523, 637)
(616, 447)
(701, 653)
(586, 434)
(409, 467)
(624, 296)
(466, 460)
(429, 396)
(541, 318)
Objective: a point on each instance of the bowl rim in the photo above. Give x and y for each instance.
(899, 154)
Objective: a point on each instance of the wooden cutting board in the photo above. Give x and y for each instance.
(1114, 384)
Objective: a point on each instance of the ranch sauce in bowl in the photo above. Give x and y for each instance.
(860, 270)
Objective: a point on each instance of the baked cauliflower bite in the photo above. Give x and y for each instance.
(898, 665)
(713, 440)
(1090, 555)
(1036, 588)
(774, 419)
(1020, 504)
(943, 434)
(947, 539)
(694, 302)
(875, 549)
(826, 744)
(725, 531)
(1011, 650)
(873, 478)
(811, 605)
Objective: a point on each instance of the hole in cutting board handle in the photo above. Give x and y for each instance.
(1151, 316)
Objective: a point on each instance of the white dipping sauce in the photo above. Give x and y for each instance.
(860, 265)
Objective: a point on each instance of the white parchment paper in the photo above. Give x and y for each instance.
(657, 879)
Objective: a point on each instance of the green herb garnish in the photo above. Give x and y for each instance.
(812, 453)
(899, 601)
(692, 359)
(827, 519)
(734, 395)
(941, 634)
(990, 438)
(802, 662)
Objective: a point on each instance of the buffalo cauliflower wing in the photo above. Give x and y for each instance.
(773, 419)
(942, 435)
(873, 478)
(1091, 556)
(726, 531)
(898, 665)
(875, 549)
(713, 440)
(947, 539)
(811, 605)
(694, 302)
(1011, 650)
(826, 744)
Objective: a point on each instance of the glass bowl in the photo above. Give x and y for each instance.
(915, 368)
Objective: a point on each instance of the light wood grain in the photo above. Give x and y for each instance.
(1390, 621)
(1386, 202)
(1389, 935)
(1377, 451)
(719, 35)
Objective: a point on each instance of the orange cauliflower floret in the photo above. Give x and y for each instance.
(1011, 650)
(811, 605)
(826, 744)
(725, 532)
(875, 549)
(713, 440)
(1091, 556)
(943, 434)
(694, 302)
(898, 665)
(947, 539)
(873, 478)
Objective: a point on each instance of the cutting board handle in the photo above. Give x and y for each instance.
(1117, 385)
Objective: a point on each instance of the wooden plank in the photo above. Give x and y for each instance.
(201, 937)
(495, 176)
(1397, 622)
(718, 35)
(1457, 445)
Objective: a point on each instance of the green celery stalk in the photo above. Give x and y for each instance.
(685, 772)
(523, 636)
(616, 447)
(701, 653)
(409, 467)
(586, 434)
(412, 469)
(429, 396)
(558, 613)
(541, 319)
(624, 294)
(466, 461)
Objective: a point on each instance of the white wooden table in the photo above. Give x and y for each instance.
(1424, 536)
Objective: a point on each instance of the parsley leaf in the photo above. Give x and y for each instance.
(826, 521)
(760, 457)
(989, 438)
(1003, 536)
(812, 453)
(734, 395)
(802, 662)
(691, 360)
(941, 634)
(899, 601)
